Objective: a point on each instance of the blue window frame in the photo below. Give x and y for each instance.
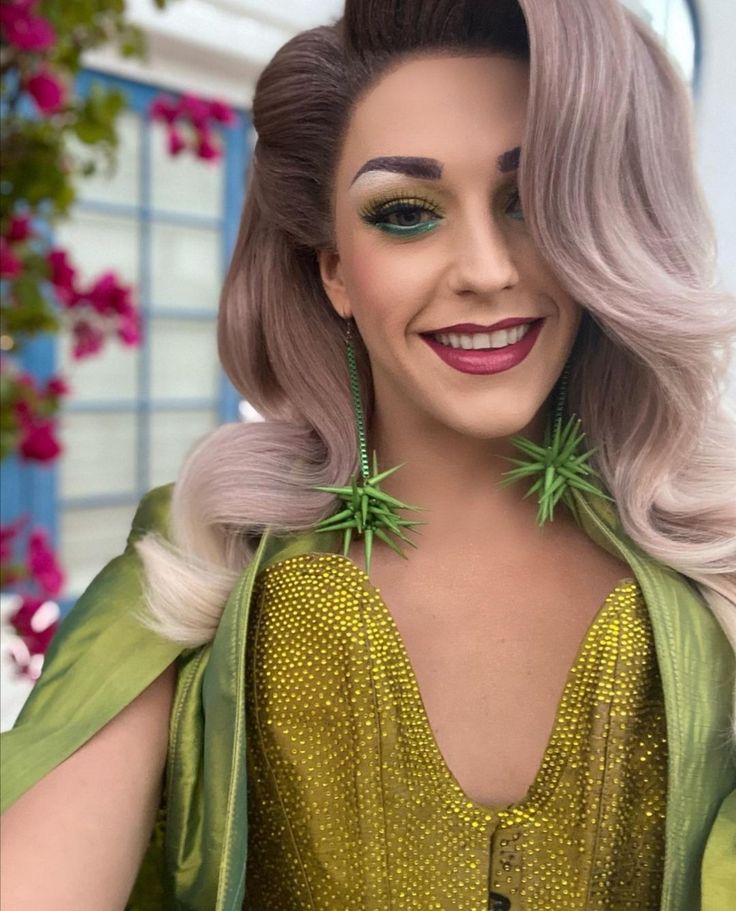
(127, 429)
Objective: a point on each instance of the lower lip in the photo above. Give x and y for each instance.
(489, 360)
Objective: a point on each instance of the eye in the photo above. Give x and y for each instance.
(515, 199)
(406, 216)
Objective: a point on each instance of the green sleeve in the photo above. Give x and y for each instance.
(100, 659)
(719, 859)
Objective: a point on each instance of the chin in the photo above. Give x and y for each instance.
(495, 429)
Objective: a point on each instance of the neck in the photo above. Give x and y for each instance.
(456, 480)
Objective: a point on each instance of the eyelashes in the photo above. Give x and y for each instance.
(378, 212)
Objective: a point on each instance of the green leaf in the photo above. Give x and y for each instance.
(132, 41)
(97, 115)
(30, 314)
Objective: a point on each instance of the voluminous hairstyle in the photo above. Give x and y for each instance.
(614, 205)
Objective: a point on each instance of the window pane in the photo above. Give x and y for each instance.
(184, 183)
(186, 268)
(100, 242)
(173, 433)
(680, 38)
(184, 361)
(123, 184)
(99, 455)
(89, 539)
(108, 376)
(673, 21)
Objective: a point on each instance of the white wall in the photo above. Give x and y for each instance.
(214, 47)
(716, 124)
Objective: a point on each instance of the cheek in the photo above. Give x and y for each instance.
(387, 281)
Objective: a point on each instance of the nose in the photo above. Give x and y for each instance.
(482, 260)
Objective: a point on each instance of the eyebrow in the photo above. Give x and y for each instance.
(430, 168)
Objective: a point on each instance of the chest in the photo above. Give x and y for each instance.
(491, 651)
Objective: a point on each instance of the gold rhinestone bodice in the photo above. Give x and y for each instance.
(351, 806)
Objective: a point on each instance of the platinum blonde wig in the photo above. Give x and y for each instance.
(613, 203)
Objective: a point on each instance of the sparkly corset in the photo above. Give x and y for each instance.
(351, 806)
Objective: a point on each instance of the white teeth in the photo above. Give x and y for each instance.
(480, 340)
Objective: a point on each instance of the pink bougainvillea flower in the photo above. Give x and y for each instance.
(8, 535)
(57, 386)
(41, 563)
(87, 339)
(24, 30)
(164, 108)
(20, 619)
(38, 442)
(35, 621)
(206, 149)
(129, 329)
(10, 265)
(195, 109)
(19, 229)
(38, 642)
(46, 91)
(222, 112)
(62, 277)
(23, 412)
(26, 379)
(109, 296)
(176, 141)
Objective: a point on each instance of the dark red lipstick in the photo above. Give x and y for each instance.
(487, 360)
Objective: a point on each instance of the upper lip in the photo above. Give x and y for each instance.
(474, 327)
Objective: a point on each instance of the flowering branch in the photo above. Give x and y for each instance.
(189, 123)
(41, 43)
(40, 579)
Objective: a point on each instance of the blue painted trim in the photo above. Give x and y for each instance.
(164, 216)
(164, 312)
(100, 501)
(144, 361)
(238, 154)
(694, 10)
(126, 406)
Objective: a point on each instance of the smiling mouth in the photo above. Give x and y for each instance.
(482, 341)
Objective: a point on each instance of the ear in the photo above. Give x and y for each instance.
(330, 269)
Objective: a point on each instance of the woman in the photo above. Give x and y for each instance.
(532, 708)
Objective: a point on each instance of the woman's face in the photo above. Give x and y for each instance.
(430, 244)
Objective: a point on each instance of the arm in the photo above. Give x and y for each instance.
(76, 839)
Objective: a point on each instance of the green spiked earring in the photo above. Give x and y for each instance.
(556, 466)
(368, 510)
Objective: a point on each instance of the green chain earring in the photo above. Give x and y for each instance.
(556, 465)
(368, 510)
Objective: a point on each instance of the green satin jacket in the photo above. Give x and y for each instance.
(101, 659)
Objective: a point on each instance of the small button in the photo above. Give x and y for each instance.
(498, 902)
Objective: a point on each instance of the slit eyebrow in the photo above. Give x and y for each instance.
(430, 168)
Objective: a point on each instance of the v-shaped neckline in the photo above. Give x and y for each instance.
(548, 773)
(467, 802)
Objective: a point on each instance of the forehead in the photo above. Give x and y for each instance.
(462, 110)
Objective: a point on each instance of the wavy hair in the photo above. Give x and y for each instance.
(612, 200)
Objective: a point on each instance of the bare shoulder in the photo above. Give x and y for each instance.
(86, 823)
